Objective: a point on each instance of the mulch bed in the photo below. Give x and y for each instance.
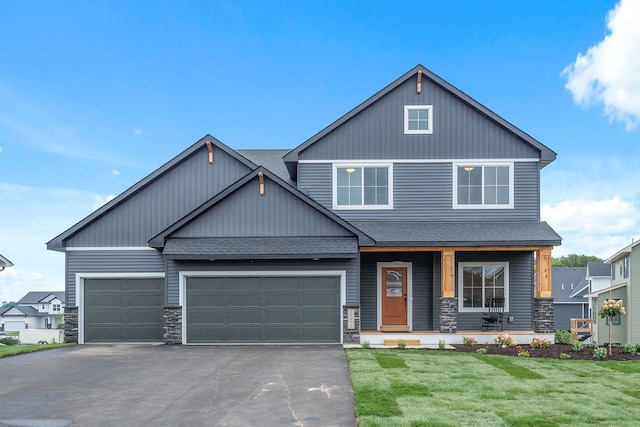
(551, 352)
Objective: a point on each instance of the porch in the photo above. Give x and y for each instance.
(429, 339)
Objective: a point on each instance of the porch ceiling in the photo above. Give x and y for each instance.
(456, 234)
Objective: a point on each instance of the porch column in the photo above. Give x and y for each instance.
(71, 324)
(448, 300)
(543, 302)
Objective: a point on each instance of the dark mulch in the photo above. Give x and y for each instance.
(552, 352)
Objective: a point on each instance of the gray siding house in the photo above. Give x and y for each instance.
(401, 218)
(570, 285)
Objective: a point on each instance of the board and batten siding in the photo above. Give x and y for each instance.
(459, 131)
(276, 214)
(175, 267)
(421, 289)
(108, 262)
(424, 192)
(162, 202)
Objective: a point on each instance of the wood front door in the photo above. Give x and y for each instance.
(394, 296)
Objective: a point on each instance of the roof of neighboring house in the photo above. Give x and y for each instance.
(425, 233)
(546, 154)
(37, 297)
(598, 269)
(271, 160)
(622, 252)
(5, 262)
(605, 290)
(568, 283)
(26, 310)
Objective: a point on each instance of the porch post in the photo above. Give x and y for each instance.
(448, 300)
(543, 302)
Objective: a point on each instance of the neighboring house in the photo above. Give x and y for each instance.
(625, 285)
(598, 278)
(4, 263)
(36, 310)
(570, 285)
(399, 219)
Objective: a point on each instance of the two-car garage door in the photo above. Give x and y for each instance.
(270, 309)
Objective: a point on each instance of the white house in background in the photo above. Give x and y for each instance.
(36, 310)
(4, 263)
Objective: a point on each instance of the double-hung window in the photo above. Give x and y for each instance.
(479, 282)
(362, 186)
(488, 186)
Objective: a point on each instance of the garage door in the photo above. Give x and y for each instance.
(263, 309)
(120, 310)
(14, 326)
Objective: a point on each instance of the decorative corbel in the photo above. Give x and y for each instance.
(261, 178)
(419, 87)
(210, 149)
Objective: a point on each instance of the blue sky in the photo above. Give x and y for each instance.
(96, 95)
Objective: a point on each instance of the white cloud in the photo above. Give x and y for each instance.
(137, 131)
(608, 72)
(99, 201)
(592, 227)
(115, 172)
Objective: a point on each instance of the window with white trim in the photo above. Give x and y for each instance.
(488, 186)
(56, 307)
(479, 282)
(362, 186)
(418, 119)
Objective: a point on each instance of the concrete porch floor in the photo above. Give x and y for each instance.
(430, 339)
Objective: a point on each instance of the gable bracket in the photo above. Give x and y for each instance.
(210, 149)
(419, 87)
(261, 178)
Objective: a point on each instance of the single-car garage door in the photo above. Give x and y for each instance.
(263, 309)
(117, 310)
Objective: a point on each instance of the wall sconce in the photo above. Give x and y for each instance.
(468, 168)
(351, 170)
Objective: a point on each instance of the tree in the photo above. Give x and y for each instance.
(574, 260)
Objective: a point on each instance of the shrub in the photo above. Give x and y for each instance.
(9, 341)
(523, 353)
(481, 350)
(578, 346)
(540, 342)
(504, 340)
(563, 337)
(565, 356)
(441, 344)
(402, 345)
(630, 348)
(469, 341)
(365, 344)
(600, 353)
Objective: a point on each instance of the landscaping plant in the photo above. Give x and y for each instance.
(563, 337)
(504, 341)
(630, 348)
(600, 353)
(540, 342)
(578, 346)
(610, 309)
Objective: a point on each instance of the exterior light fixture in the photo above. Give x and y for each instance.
(351, 170)
(468, 168)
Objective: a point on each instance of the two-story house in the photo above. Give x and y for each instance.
(36, 310)
(401, 218)
(569, 285)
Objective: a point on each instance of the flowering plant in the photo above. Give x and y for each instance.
(611, 308)
(522, 352)
(469, 341)
(504, 340)
(540, 342)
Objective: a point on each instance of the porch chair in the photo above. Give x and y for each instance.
(493, 318)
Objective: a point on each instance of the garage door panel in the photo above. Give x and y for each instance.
(101, 299)
(263, 309)
(144, 300)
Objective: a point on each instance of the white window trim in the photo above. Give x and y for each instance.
(409, 267)
(183, 275)
(407, 108)
(461, 265)
(79, 297)
(482, 164)
(334, 185)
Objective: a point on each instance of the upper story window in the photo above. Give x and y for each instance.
(488, 186)
(624, 267)
(56, 307)
(479, 282)
(418, 119)
(362, 186)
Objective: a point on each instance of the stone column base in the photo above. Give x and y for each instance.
(172, 324)
(448, 315)
(543, 315)
(71, 324)
(351, 327)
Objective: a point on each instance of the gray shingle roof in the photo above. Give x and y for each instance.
(599, 269)
(36, 297)
(271, 160)
(27, 310)
(4, 262)
(566, 281)
(261, 248)
(423, 233)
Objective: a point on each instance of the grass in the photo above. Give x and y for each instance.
(415, 388)
(14, 350)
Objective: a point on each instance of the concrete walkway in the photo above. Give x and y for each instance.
(157, 385)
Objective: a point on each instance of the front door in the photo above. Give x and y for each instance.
(394, 296)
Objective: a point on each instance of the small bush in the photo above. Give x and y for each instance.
(402, 345)
(563, 337)
(565, 356)
(523, 353)
(504, 340)
(600, 353)
(9, 341)
(481, 350)
(578, 346)
(539, 342)
(469, 341)
(365, 344)
(441, 344)
(630, 348)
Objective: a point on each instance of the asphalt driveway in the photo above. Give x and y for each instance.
(158, 385)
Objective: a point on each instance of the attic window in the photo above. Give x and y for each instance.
(418, 119)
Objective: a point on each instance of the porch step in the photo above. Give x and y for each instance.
(394, 343)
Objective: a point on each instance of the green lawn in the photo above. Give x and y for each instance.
(435, 388)
(13, 350)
